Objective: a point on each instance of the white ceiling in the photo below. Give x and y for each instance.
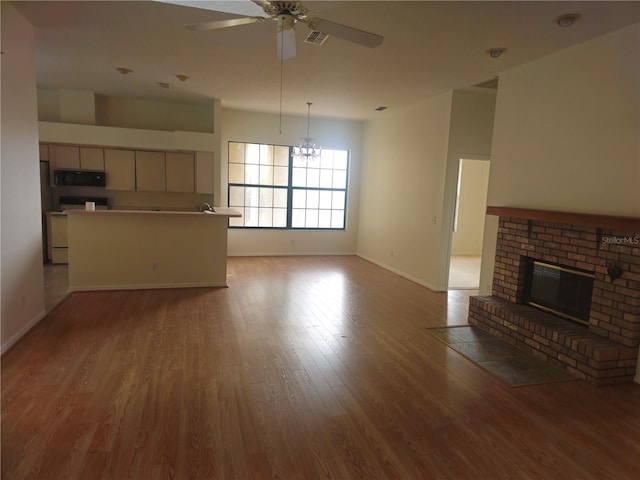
(429, 48)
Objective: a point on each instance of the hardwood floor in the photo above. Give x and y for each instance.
(305, 368)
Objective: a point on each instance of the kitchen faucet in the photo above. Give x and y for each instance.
(205, 207)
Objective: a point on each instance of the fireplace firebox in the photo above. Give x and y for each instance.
(561, 290)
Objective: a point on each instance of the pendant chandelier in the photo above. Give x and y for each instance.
(307, 150)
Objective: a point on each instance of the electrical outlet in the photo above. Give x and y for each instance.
(434, 219)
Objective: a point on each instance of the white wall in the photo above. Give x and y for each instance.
(566, 134)
(472, 204)
(21, 238)
(405, 153)
(255, 127)
(410, 174)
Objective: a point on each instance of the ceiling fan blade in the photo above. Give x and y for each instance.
(247, 8)
(350, 34)
(286, 44)
(199, 27)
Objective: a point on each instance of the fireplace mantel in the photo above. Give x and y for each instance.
(631, 224)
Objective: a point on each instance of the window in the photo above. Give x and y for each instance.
(273, 190)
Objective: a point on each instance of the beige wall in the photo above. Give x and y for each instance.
(405, 154)
(256, 127)
(410, 171)
(22, 276)
(472, 202)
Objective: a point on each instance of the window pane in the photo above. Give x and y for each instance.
(313, 197)
(281, 176)
(252, 174)
(251, 217)
(280, 217)
(299, 178)
(297, 220)
(266, 154)
(299, 199)
(236, 173)
(299, 163)
(326, 160)
(312, 219)
(324, 219)
(252, 153)
(266, 197)
(265, 219)
(339, 179)
(338, 200)
(281, 156)
(236, 196)
(337, 219)
(280, 198)
(326, 178)
(325, 199)
(266, 175)
(236, 152)
(313, 177)
(340, 159)
(252, 196)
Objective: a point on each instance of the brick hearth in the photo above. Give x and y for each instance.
(605, 350)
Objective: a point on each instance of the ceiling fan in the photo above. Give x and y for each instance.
(286, 14)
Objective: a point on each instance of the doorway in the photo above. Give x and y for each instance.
(468, 223)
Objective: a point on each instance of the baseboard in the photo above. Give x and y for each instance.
(154, 286)
(21, 333)
(293, 254)
(401, 273)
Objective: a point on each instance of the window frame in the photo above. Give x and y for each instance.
(290, 190)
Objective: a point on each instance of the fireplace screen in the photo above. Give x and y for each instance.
(560, 290)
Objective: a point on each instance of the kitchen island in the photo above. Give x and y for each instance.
(136, 249)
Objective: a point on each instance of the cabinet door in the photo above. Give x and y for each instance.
(120, 169)
(91, 158)
(150, 171)
(59, 231)
(204, 172)
(180, 171)
(66, 157)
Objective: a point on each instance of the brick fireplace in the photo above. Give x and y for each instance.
(604, 348)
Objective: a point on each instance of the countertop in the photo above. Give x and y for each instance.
(219, 212)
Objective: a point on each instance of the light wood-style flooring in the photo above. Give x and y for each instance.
(304, 368)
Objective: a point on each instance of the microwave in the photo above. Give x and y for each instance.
(79, 178)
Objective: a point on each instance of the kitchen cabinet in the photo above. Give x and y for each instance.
(58, 243)
(120, 168)
(204, 172)
(180, 172)
(66, 157)
(92, 158)
(150, 171)
(73, 157)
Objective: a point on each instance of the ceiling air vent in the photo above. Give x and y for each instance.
(316, 38)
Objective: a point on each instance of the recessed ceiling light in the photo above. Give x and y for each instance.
(567, 20)
(182, 78)
(495, 52)
(124, 71)
(380, 108)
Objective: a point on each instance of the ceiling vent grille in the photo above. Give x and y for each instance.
(316, 38)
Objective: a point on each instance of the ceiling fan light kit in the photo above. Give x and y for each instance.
(287, 14)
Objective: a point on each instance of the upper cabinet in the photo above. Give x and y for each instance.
(180, 172)
(120, 169)
(72, 157)
(65, 157)
(150, 171)
(92, 158)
